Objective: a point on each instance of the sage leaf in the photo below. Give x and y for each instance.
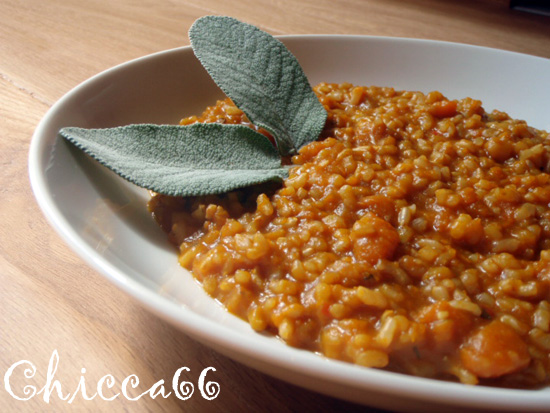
(262, 78)
(197, 159)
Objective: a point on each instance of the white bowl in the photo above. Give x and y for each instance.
(104, 218)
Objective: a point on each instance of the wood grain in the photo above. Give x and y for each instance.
(49, 299)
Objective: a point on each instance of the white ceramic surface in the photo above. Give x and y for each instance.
(104, 219)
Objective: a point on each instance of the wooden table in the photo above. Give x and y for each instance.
(49, 299)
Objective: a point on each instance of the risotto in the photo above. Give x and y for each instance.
(413, 236)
